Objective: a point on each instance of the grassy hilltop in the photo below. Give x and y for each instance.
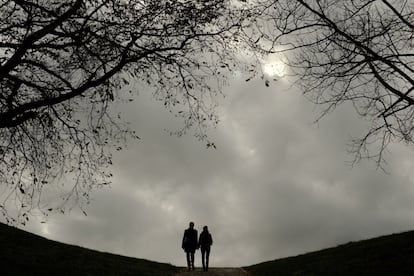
(23, 253)
(388, 255)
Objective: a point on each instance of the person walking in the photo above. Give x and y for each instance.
(190, 245)
(205, 241)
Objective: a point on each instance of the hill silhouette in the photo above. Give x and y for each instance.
(386, 255)
(23, 253)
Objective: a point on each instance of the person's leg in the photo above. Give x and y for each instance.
(207, 257)
(188, 259)
(192, 259)
(203, 253)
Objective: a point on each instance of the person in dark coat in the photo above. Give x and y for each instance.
(205, 243)
(190, 244)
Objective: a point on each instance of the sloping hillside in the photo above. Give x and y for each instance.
(23, 253)
(387, 255)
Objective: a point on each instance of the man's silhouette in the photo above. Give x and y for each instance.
(205, 243)
(190, 244)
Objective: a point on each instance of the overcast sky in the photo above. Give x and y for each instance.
(277, 185)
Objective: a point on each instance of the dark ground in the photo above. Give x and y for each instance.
(225, 271)
(387, 255)
(23, 253)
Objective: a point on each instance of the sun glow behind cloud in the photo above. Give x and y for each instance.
(273, 66)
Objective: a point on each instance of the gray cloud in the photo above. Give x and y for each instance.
(277, 185)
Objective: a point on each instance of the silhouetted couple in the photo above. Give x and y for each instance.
(191, 244)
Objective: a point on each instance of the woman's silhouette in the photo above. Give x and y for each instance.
(205, 243)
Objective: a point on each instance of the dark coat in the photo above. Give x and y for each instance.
(190, 243)
(205, 240)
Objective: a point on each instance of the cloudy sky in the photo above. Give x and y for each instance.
(277, 185)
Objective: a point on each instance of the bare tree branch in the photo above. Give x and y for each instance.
(350, 51)
(63, 63)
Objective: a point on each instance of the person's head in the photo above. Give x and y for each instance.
(205, 228)
(191, 225)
